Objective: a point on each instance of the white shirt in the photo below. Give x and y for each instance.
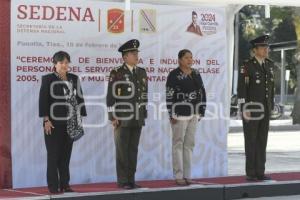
(260, 61)
(130, 67)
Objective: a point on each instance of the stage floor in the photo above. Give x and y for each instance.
(232, 183)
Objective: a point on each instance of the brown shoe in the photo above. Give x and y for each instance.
(135, 186)
(127, 186)
(190, 181)
(53, 191)
(264, 178)
(181, 182)
(251, 178)
(66, 189)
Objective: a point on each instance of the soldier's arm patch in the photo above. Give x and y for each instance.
(111, 109)
(242, 70)
(242, 100)
(112, 77)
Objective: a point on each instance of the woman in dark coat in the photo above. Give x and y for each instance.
(186, 103)
(61, 105)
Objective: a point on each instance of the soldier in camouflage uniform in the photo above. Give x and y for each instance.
(126, 101)
(256, 97)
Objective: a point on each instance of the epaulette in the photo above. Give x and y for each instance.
(141, 68)
(269, 60)
(247, 61)
(116, 68)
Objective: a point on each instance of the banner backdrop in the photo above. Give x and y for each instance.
(91, 33)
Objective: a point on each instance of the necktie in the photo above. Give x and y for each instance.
(263, 66)
(134, 73)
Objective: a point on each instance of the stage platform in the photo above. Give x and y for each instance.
(221, 188)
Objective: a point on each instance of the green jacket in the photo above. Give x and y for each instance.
(127, 96)
(256, 84)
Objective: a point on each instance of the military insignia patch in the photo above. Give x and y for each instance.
(112, 77)
(115, 20)
(247, 80)
(119, 76)
(126, 77)
(242, 70)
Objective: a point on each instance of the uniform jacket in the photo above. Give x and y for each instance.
(127, 96)
(256, 84)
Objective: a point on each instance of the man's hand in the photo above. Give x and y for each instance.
(115, 123)
(246, 116)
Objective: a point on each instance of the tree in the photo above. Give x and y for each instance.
(296, 108)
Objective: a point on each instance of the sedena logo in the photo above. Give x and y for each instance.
(60, 13)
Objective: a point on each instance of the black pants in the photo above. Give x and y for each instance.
(256, 137)
(59, 148)
(126, 141)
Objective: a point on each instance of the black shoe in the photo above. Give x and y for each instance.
(251, 178)
(127, 186)
(53, 191)
(122, 185)
(135, 186)
(66, 188)
(264, 178)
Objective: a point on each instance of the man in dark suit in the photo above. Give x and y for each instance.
(256, 97)
(194, 27)
(126, 101)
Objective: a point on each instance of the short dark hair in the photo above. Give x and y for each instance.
(183, 52)
(124, 53)
(60, 56)
(194, 13)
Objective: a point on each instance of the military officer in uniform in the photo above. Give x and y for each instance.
(256, 99)
(126, 101)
